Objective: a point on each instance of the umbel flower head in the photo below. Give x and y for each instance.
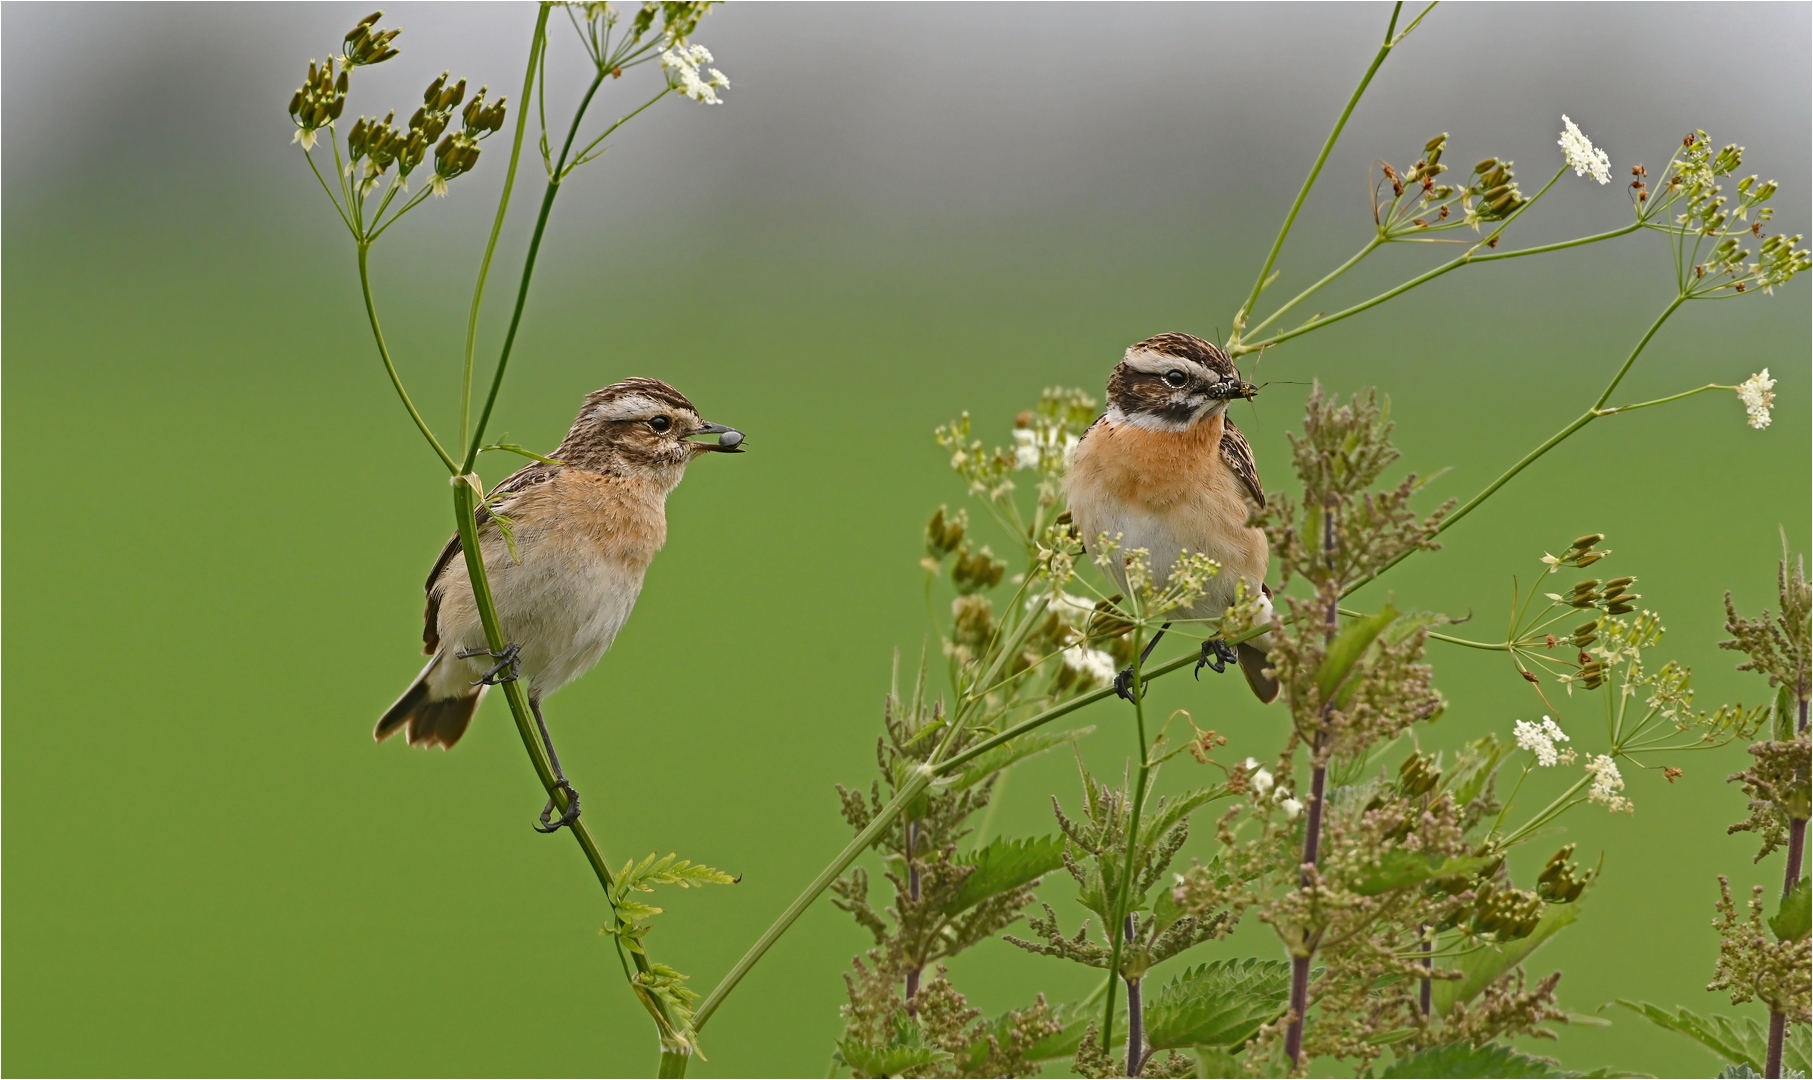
(681, 62)
(1582, 156)
(1758, 395)
(1540, 739)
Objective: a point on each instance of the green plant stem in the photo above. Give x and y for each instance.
(1372, 245)
(1553, 441)
(1133, 814)
(464, 501)
(1665, 400)
(1315, 171)
(528, 272)
(916, 783)
(537, 52)
(390, 368)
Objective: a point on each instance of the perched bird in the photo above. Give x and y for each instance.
(580, 536)
(1166, 470)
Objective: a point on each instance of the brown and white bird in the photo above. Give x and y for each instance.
(584, 532)
(1166, 470)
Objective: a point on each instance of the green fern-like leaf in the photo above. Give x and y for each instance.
(1221, 1003)
(1743, 1041)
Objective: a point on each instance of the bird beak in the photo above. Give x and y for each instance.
(730, 440)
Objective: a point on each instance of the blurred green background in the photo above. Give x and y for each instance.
(901, 212)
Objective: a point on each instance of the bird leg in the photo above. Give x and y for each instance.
(1217, 654)
(509, 659)
(571, 814)
(1123, 683)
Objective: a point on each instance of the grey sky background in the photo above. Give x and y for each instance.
(884, 117)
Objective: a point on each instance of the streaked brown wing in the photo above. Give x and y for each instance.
(1239, 456)
(538, 472)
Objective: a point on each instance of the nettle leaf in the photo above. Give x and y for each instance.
(1795, 918)
(1345, 651)
(1743, 1041)
(1027, 745)
(1398, 868)
(889, 1060)
(1221, 1003)
(1176, 809)
(1003, 866)
(1076, 1019)
(1467, 1060)
(1475, 767)
(1481, 967)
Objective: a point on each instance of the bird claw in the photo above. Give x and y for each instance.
(509, 659)
(1216, 656)
(1123, 686)
(570, 815)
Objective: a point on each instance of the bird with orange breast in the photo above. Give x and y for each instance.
(1164, 469)
(584, 528)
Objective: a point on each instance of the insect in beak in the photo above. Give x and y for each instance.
(730, 440)
(1234, 388)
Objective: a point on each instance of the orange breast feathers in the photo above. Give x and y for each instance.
(1174, 485)
(587, 514)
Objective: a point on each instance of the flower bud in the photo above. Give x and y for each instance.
(1485, 165)
(1418, 775)
(1434, 146)
(1587, 541)
(1585, 634)
(1561, 881)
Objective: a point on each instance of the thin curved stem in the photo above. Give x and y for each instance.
(528, 272)
(1315, 171)
(1372, 245)
(1133, 815)
(915, 784)
(537, 57)
(390, 368)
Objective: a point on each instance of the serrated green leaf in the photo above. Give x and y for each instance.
(1027, 745)
(1064, 1044)
(1478, 969)
(889, 1060)
(1221, 1003)
(1344, 652)
(1795, 918)
(1475, 767)
(1398, 868)
(1176, 809)
(631, 911)
(1743, 1041)
(1785, 715)
(1005, 865)
(1463, 1060)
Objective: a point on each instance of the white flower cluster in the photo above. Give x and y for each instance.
(1607, 785)
(1263, 784)
(1094, 663)
(1758, 395)
(1540, 739)
(1043, 447)
(681, 61)
(1582, 156)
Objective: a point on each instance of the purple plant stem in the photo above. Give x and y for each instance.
(913, 890)
(1136, 1017)
(1797, 842)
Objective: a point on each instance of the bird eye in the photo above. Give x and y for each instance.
(660, 424)
(1175, 377)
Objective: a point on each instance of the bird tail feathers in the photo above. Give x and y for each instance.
(1253, 663)
(430, 721)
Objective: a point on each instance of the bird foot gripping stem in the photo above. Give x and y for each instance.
(508, 660)
(1216, 656)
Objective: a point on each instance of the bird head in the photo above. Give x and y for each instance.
(1172, 382)
(643, 426)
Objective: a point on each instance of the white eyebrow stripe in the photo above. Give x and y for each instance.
(631, 407)
(1151, 363)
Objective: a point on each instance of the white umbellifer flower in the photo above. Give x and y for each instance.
(1071, 609)
(1094, 663)
(1262, 782)
(682, 64)
(1540, 739)
(1291, 808)
(1607, 784)
(1582, 156)
(1758, 395)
